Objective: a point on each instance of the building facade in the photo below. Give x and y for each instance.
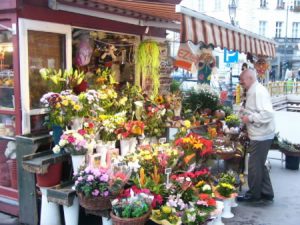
(275, 19)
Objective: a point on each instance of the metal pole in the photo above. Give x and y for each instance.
(285, 39)
(231, 94)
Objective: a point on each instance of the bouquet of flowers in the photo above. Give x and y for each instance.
(132, 128)
(90, 103)
(108, 125)
(154, 120)
(195, 149)
(161, 156)
(76, 142)
(62, 107)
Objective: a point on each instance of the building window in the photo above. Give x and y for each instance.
(296, 30)
(263, 3)
(296, 3)
(262, 28)
(278, 29)
(217, 5)
(201, 5)
(280, 4)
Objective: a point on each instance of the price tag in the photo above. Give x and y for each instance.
(168, 171)
(162, 140)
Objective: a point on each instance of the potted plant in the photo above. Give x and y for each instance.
(201, 98)
(226, 191)
(292, 153)
(95, 187)
(130, 211)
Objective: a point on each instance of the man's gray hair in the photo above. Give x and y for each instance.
(251, 72)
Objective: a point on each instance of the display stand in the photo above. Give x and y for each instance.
(63, 194)
(38, 163)
(49, 210)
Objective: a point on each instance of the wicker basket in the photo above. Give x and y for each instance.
(130, 221)
(94, 203)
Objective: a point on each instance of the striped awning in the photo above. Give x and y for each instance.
(210, 30)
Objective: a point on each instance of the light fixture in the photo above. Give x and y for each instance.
(232, 11)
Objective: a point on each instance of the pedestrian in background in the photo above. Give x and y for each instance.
(257, 115)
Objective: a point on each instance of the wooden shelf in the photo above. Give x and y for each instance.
(39, 162)
(9, 87)
(62, 194)
(11, 138)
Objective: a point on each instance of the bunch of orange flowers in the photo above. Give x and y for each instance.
(194, 146)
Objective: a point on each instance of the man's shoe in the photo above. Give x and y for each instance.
(247, 198)
(268, 198)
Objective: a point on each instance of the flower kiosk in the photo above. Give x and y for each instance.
(103, 92)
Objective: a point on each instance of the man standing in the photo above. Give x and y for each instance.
(258, 117)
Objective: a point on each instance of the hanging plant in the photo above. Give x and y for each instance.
(147, 64)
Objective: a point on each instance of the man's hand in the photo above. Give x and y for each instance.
(245, 119)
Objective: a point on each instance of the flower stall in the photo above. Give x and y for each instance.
(126, 161)
(112, 111)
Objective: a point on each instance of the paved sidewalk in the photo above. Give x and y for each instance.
(285, 209)
(8, 220)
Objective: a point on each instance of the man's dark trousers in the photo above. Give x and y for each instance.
(258, 176)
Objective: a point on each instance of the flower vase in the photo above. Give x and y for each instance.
(133, 144)
(77, 161)
(102, 149)
(218, 219)
(125, 146)
(106, 221)
(111, 144)
(57, 131)
(227, 208)
(71, 213)
(77, 123)
(233, 203)
(50, 214)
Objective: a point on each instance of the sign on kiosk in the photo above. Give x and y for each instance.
(186, 58)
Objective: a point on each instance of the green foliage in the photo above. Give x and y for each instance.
(197, 101)
(175, 86)
(130, 209)
(58, 81)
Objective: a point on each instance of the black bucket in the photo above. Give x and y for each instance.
(292, 162)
